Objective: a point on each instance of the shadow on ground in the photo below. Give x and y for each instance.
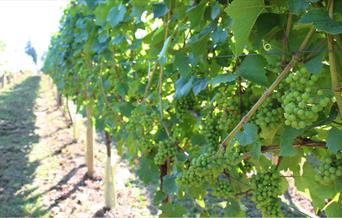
(17, 124)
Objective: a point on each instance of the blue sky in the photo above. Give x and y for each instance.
(23, 20)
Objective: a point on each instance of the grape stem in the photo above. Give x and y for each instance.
(269, 91)
(286, 38)
(332, 63)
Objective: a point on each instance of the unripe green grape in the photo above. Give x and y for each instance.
(330, 169)
(183, 105)
(166, 151)
(266, 194)
(302, 102)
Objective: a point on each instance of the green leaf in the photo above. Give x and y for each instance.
(172, 210)
(287, 138)
(118, 39)
(169, 184)
(101, 13)
(298, 6)
(291, 163)
(248, 135)
(252, 69)
(334, 209)
(162, 58)
(181, 64)
(159, 9)
(215, 10)
(199, 85)
(183, 86)
(256, 150)
(147, 171)
(116, 15)
(315, 65)
(314, 189)
(233, 209)
(223, 78)
(196, 14)
(321, 20)
(219, 35)
(334, 142)
(159, 197)
(244, 13)
(283, 185)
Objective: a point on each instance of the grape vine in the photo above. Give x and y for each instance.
(192, 89)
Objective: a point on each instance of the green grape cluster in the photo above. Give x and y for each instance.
(301, 101)
(266, 190)
(330, 169)
(211, 131)
(142, 123)
(208, 166)
(166, 151)
(229, 107)
(222, 188)
(204, 168)
(184, 104)
(270, 114)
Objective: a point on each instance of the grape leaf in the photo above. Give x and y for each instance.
(223, 78)
(287, 138)
(256, 150)
(321, 20)
(147, 171)
(315, 65)
(159, 9)
(298, 6)
(183, 86)
(252, 69)
(291, 163)
(233, 209)
(334, 209)
(334, 142)
(215, 10)
(162, 58)
(219, 35)
(196, 14)
(244, 13)
(199, 85)
(181, 64)
(248, 135)
(314, 189)
(116, 15)
(169, 184)
(172, 210)
(101, 13)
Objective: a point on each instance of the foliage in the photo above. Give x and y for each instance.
(31, 51)
(170, 79)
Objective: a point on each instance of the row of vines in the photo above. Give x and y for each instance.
(212, 98)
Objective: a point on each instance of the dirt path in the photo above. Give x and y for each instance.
(42, 171)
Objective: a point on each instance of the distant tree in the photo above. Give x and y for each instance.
(29, 50)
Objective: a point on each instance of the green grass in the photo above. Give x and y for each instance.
(20, 152)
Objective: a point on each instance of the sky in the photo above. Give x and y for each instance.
(24, 20)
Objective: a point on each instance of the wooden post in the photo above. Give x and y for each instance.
(76, 126)
(59, 99)
(90, 143)
(109, 189)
